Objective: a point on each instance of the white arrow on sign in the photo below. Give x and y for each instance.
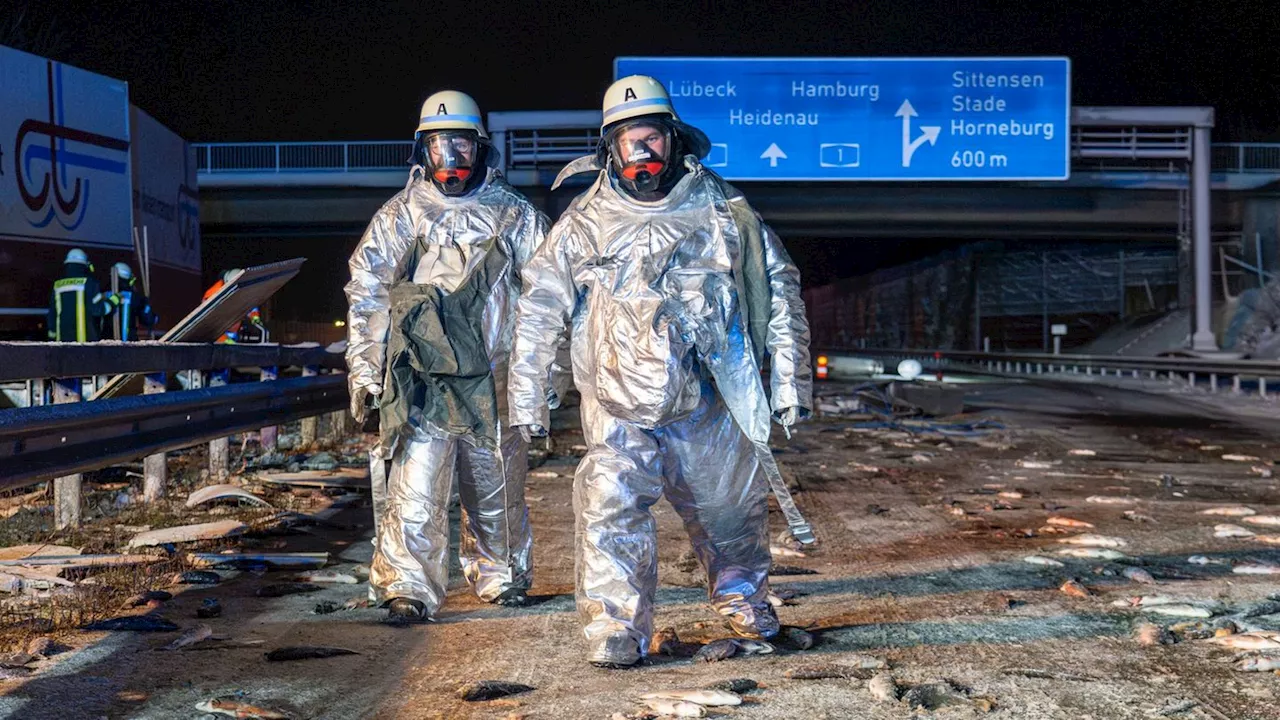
(909, 146)
(773, 153)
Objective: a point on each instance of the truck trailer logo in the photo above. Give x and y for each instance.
(53, 198)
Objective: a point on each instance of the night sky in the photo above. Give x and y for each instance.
(229, 70)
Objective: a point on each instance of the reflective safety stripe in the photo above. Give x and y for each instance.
(55, 332)
(82, 329)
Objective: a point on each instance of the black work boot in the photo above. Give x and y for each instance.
(404, 611)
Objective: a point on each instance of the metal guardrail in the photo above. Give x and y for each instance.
(44, 441)
(1175, 369)
(532, 149)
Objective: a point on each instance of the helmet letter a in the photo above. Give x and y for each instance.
(441, 110)
(630, 95)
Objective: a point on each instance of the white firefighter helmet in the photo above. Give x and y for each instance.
(122, 271)
(451, 110)
(635, 96)
(76, 255)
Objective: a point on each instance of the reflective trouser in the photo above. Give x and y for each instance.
(413, 534)
(378, 489)
(705, 466)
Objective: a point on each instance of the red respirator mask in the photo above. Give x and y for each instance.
(640, 153)
(450, 158)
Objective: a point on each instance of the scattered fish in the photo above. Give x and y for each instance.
(326, 576)
(1068, 522)
(1256, 569)
(326, 607)
(704, 697)
(191, 636)
(209, 608)
(1010, 494)
(1110, 500)
(1248, 641)
(1135, 516)
(1097, 541)
(780, 551)
(286, 588)
(306, 652)
(1038, 560)
(1230, 511)
(1052, 530)
(490, 690)
(1231, 531)
(197, 577)
(1189, 611)
(1192, 630)
(1036, 465)
(796, 638)
(1240, 458)
(239, 710)
(1075, 589)
(865, 662)
(717, 650)
(1263, 520)
(1154, 600)
(826, 672)
(1091, 553)
(18, 660)
(883, 688)
(1138, 575)
(734, 685)
(1203, 560)
(790, 570)
(1149, 634)
(45, 647)
(134, 623)
(147, 596)
(1082, 452)
(1267, 539)
(676, 708)
(1266, 607)
(1266, 663)
(355, 603)
(754, 647)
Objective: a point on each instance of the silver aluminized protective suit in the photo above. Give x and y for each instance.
(672, 397)
(451, 236)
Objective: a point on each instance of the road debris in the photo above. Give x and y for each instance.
(275, 561)
(795, 638)
(1097, 541)
(1110, 500)
(147, 596)
(1135, 516)
(1138, 575)
(239, 710)
(1068, 522)
(676, 708)
(223, 492)
(482, 690)
(827, 672)
(1040, 560)
(1231, 457)
(197, 577)
(1230, 511)
(327, 576)
(1179, 610)
(188, 533)
(734, 685)
(1082, 452)
(1263, 520)
(1226, 530)
(1074, 588)
(1265, 663)
(1149, 634)
(306, 652)
(1256, 569)
(1091, 553)
(779, 551)
(790, 570)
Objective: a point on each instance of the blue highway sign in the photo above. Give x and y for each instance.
(874, 118)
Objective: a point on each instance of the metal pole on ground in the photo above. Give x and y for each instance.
(155, 470)
(1202, 338)
(66, 490)
(219, 450)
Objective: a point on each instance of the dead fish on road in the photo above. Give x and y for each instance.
(190, 637)
(1038, 560)
(1203, 560)
(1149, 635)
(326, 576)
(209, 608)
(1267, 539)
(706, 698)
(1068, 522)
(1265, 663)
(1248, 641)
(147, 596)
(676, 708)
(1189, 611)
(286, 588)
(666, 642)
(779, 551)
(1263, 520)
(239, 710)
(1135, 516)
(883, 688)
(796, 638)
(1075, 589)
(197, 577)
(791, 570)
(1231, 457)
(1138, 575)
(726, 648)
(1226, 530)
(1256, 569)
(306, 652)
(1093, 553)
(1092, 540)
(1110, 500)
(734, 685)
(482, 690)
(18, 660)
(1230, 511)
(134, 623)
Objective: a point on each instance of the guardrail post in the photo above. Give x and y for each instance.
(155, 468)
(1235, 384)
(1213, 382)
(66, 490)
(267, 435)
(312, 424)
(1262, 387)
(35, 393)
(219, 450)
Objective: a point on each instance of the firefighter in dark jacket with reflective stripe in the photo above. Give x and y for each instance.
(134, 308)
(77, 304)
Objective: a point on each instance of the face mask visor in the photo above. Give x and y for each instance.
(450, 158)
(640, 152)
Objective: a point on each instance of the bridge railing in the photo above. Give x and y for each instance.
(534, 149)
